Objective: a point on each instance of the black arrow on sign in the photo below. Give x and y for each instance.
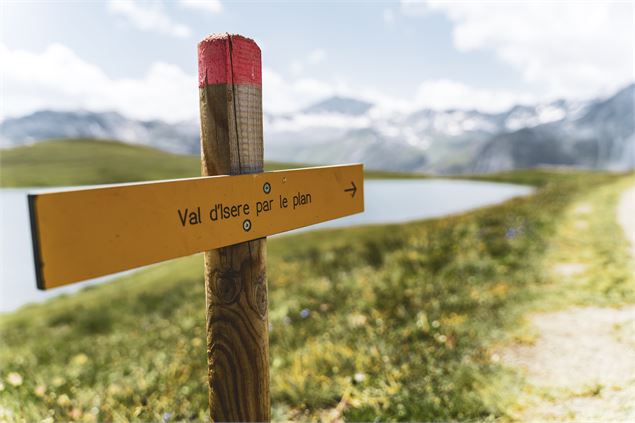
(353, 190)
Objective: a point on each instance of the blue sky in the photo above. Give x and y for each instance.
(115, 55)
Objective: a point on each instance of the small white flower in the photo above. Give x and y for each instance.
(359, 377)
(14, 379)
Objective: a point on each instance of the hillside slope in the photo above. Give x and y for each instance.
(92, 162)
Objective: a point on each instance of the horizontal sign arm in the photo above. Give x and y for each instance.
(87, 233)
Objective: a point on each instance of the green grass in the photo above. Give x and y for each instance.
(90, 162)
(387, 322)
(85, 162)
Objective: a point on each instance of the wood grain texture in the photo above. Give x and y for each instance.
(235, 276)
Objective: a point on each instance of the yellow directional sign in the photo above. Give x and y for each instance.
(87, 233)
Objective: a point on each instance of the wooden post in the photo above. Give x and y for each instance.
(230, 88)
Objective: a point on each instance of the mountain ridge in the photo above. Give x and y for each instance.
(595, 134)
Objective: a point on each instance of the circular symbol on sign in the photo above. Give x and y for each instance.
(247, 225)
(266, 187)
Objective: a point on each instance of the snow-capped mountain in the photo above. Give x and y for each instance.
(182, 137)
(598, 133)
(592, 134)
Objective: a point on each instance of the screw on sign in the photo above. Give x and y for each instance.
(227, 217)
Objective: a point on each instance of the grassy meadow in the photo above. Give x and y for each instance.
(385, 322)
(91, 162)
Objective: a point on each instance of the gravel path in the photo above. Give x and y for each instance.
(581, 366)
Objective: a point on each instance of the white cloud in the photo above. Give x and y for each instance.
(165, 91)
(414, 7)
(445, 94)
(213, 6)
(315, 57)
(389, 16)
(280, 95)
(151, 16)
(303, 122)
(297, 67)
(574, 49)
(59, 79)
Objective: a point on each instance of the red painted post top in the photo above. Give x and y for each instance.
(229, 59)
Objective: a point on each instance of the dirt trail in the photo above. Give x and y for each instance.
(581, 366)
(626, 216)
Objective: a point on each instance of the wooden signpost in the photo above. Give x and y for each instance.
(227, 214)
